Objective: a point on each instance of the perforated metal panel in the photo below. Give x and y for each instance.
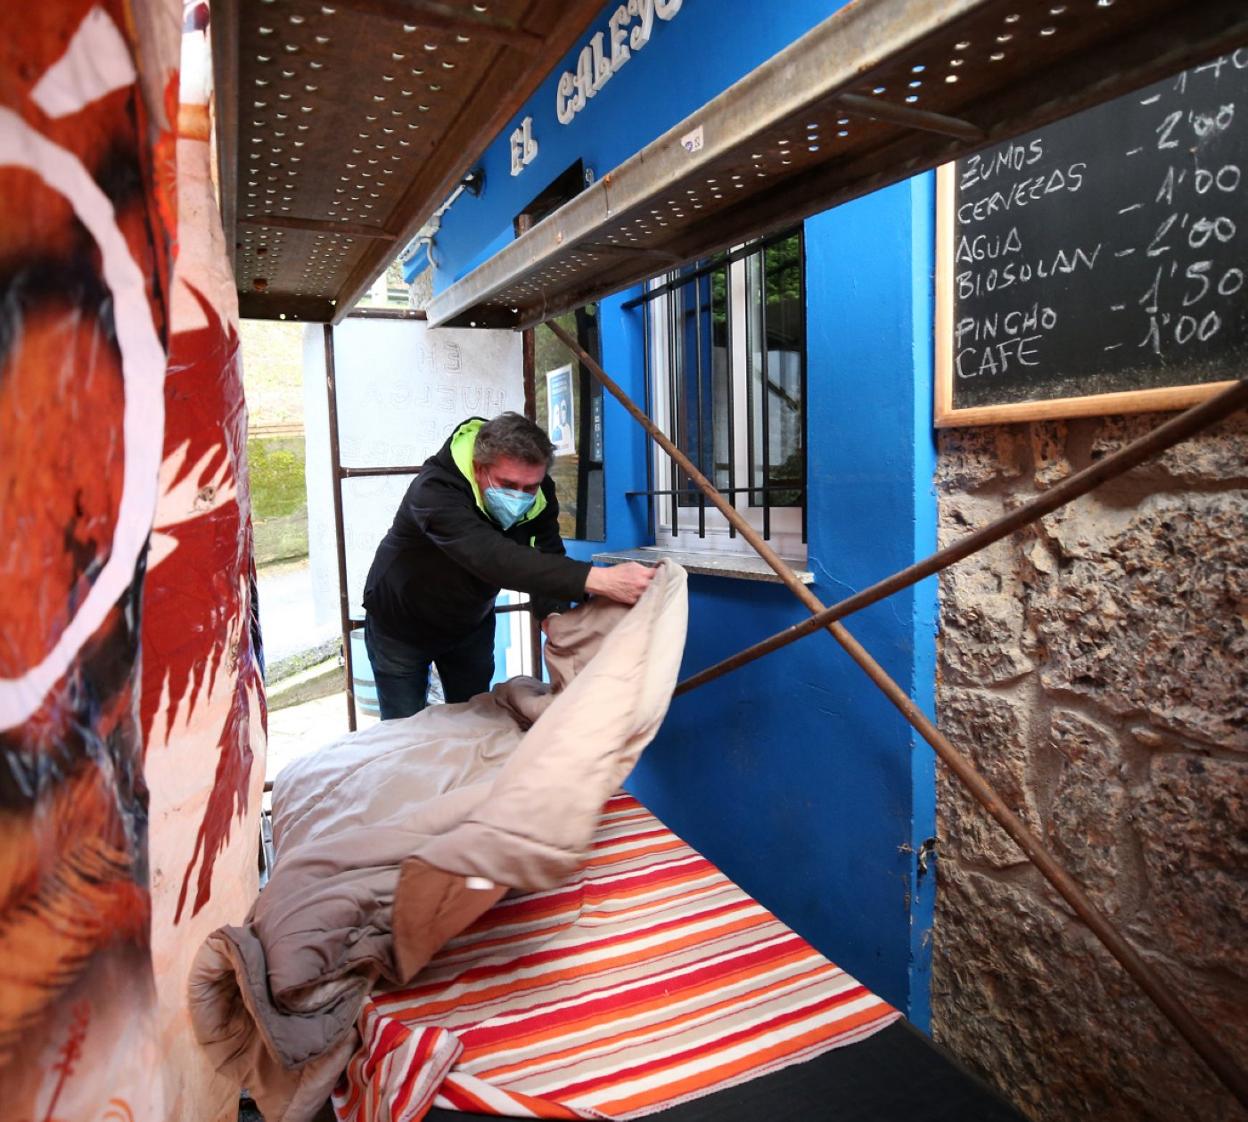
(879, 91)
(345, 123)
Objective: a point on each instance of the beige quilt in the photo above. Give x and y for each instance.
(392, 840)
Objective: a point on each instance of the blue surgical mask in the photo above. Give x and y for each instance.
(507, 506)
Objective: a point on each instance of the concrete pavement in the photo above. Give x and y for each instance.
(288, 612)
(301, 729)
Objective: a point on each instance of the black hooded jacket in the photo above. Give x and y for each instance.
(443, 561)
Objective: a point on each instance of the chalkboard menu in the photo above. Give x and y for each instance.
(1098, 265)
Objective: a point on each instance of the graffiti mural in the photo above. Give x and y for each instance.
(131, 708)
(202, 707)
(87, 220)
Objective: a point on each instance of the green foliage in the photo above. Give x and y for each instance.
(784, 273)
(783, 262)
(277, 480)
(791, 470)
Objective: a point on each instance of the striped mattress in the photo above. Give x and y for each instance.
(649, 980)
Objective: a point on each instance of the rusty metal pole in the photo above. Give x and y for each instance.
(1174, 431)
(340, 545)
(528, 358)
(1149, 979)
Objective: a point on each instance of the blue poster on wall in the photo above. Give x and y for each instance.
(559, 411)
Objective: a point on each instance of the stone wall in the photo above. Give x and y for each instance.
(1096, 668)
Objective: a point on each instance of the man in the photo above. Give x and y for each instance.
(481, 515)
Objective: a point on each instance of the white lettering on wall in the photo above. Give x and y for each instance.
(563, 98)
(523, 146)
(618, 36)
(628, 30)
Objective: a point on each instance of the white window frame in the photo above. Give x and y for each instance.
(786, 522)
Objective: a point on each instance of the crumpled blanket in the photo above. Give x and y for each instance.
(393, 840)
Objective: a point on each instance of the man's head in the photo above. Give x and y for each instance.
(511, 452)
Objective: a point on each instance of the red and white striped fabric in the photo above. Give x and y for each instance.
(649, 980)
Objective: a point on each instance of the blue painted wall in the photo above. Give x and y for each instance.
(688, 60)
(795, 775)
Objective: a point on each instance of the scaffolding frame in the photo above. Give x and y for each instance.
(823, 617)
(1199, 417)
(339, 473)
(875, 93)
(605, 240)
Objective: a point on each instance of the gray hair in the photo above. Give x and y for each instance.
(514, 436)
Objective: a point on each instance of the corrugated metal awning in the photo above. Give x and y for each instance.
(343, 124)
(880, 90)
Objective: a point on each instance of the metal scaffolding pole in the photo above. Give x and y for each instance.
(336, 470)
(1174, 431)
(1148, 978)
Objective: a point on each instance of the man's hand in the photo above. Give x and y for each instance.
(624, 583)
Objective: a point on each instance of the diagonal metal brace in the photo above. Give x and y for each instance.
(1165, 436)
(1149, 978)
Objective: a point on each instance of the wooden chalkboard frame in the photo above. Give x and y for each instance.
(1158, 399)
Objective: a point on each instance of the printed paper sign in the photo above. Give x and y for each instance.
(560, 415)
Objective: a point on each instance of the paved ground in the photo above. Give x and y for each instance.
(304, 728)
(287, 613)
(288, 622)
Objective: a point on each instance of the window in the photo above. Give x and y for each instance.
(726, 375)
(578, 472)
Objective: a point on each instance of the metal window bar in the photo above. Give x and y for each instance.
(585, 324)
(680, 279)
(690, 489)
(647, 329)
(1150, 979)
(700, 374)
(732, 397)
(688, 328)
(802, 429)
(528, 375)
(528, 359)
(336, 469)
(673, 404)
(751, 408)
(765, 392)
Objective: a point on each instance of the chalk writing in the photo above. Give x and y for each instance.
(1107, 252)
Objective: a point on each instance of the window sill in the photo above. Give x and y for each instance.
(738, 566)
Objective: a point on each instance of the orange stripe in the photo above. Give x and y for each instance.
(618, 887)
(455, 1093)
(413, 1074)
(557, 904)
(622, 1039)
(634, 854)
(601, 941)
(642, 885)
(409, 1000)
(699, 976)
(602, 966)
(543, 1108)
(726, 1072)
(661, 905)
(604, 840)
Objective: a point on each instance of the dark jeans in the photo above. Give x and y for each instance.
(401, 667)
